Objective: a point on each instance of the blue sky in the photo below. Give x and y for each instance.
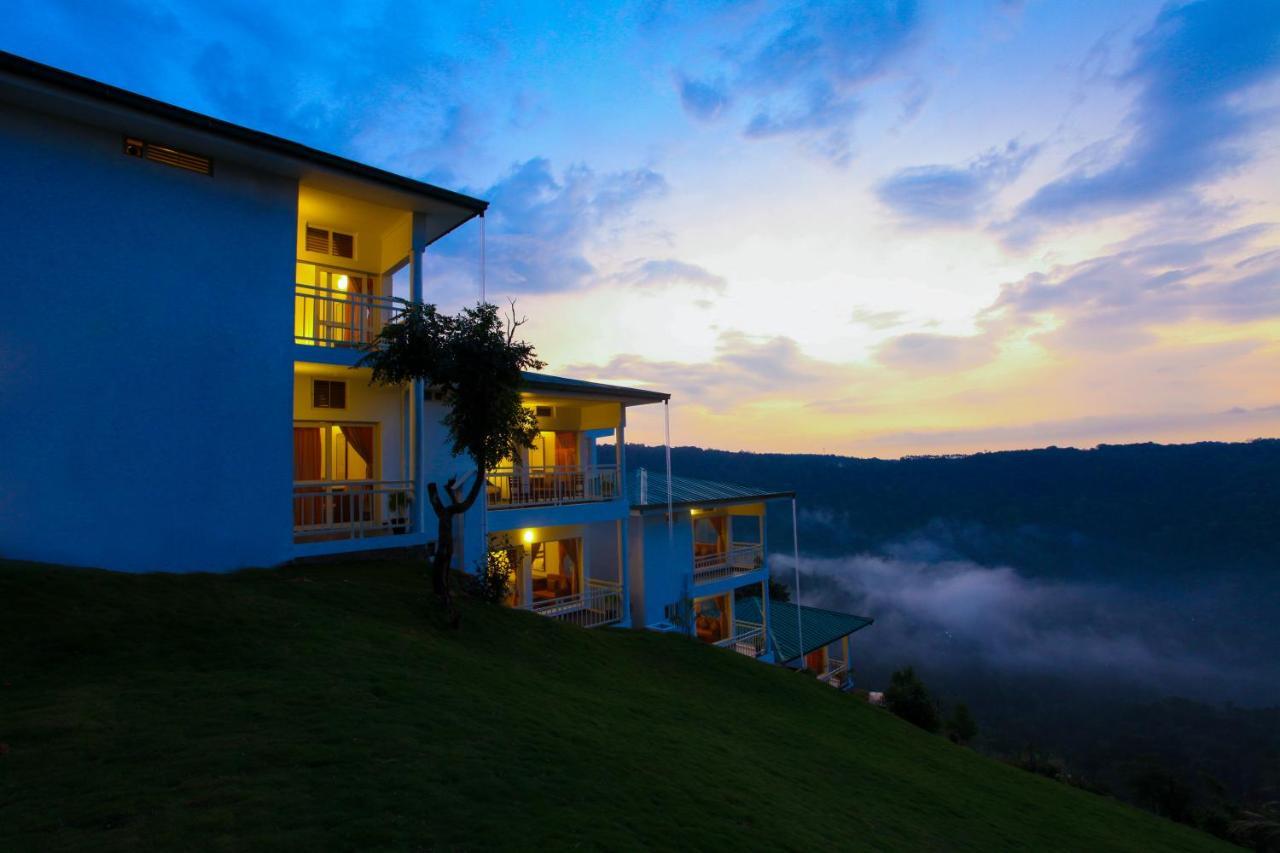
(875, 228)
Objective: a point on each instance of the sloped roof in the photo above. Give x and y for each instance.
(563, 384)
(14, 67)
(686, 491)
(787, 621)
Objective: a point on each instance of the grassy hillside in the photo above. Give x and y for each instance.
(322, 707)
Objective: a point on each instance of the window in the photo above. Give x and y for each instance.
(328, 394)
(134, 147)
(322, 241)
(544, 411)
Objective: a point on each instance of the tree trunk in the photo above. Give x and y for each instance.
(445, 513)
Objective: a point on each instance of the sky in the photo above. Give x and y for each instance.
(869, 228)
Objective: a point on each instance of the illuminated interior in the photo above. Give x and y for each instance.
(344, 288)
(713, 618)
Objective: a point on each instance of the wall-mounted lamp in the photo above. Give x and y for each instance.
(528, 537)
(343, 281)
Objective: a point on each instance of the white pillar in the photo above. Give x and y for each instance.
(417, 248)
(666, 428)
(795, 544)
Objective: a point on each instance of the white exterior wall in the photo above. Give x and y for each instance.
(661, 564)
(145, 398)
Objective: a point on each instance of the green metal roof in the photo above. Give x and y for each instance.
(786, 620)
(563, 384)
(686, 491)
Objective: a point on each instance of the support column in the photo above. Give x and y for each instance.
(623, 571)
(795, 544)
(848, 664)
(526, 576)
(417, 249)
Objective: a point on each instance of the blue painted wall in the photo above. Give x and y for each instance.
(145, 345)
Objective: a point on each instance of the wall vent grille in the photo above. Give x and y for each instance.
(197, 163)
(325, 242)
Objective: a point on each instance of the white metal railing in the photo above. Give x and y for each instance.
(748, 639)
(326, 317)
(740, 559)
(552, 484)
(350, 509)
(837, 673)
(600, 604)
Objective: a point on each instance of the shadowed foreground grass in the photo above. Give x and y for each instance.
(324, 707)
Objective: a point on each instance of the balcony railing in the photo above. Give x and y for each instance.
(740, 559)
(338, 318)
(600, 604)
(837, 674)
(748, 640)
(556, 484)
(350, 509)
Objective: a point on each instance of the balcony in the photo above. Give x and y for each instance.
(740, 559)
(600, 604)
(326, 510)
(551, 485)
(329, 317)
(836, 673)
(748, 639)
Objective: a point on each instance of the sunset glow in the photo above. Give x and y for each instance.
(878, 229)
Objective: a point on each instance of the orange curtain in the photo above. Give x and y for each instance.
(306, 453)
(566, 448)
(307, 450)
(570, 561)
(360, 439)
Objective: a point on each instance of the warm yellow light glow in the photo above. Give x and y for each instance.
(528, 536)
(342, 282)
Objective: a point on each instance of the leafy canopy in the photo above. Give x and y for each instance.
(473, 361)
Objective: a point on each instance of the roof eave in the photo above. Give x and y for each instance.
(75, 84)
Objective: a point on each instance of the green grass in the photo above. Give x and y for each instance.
(324, 707)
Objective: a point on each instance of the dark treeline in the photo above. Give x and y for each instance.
(1141, 507)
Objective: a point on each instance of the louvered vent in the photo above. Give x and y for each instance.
(543, 411)
(317, 240)
(328, 394)
(344, 245)
(168, 156)
(326, 242)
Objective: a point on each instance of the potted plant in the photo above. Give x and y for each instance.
(399, 503)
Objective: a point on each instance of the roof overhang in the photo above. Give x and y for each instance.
(577, 389)
(53, 91)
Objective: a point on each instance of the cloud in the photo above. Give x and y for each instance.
(953, 195)
(1091, 430)
(1112, 303)
(950, 615)
(1116, 301)
(541, 225)
(799, 70)
(924, 352)
(381, 92)
(877, 320)
(703, 100)
(663, 274)
(1191, 118)
(744, 369)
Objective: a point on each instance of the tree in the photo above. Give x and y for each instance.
(961, 727)
(472, 363)
(908, 698)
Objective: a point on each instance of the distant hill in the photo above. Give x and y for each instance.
(322, 708)
(1139, 508)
